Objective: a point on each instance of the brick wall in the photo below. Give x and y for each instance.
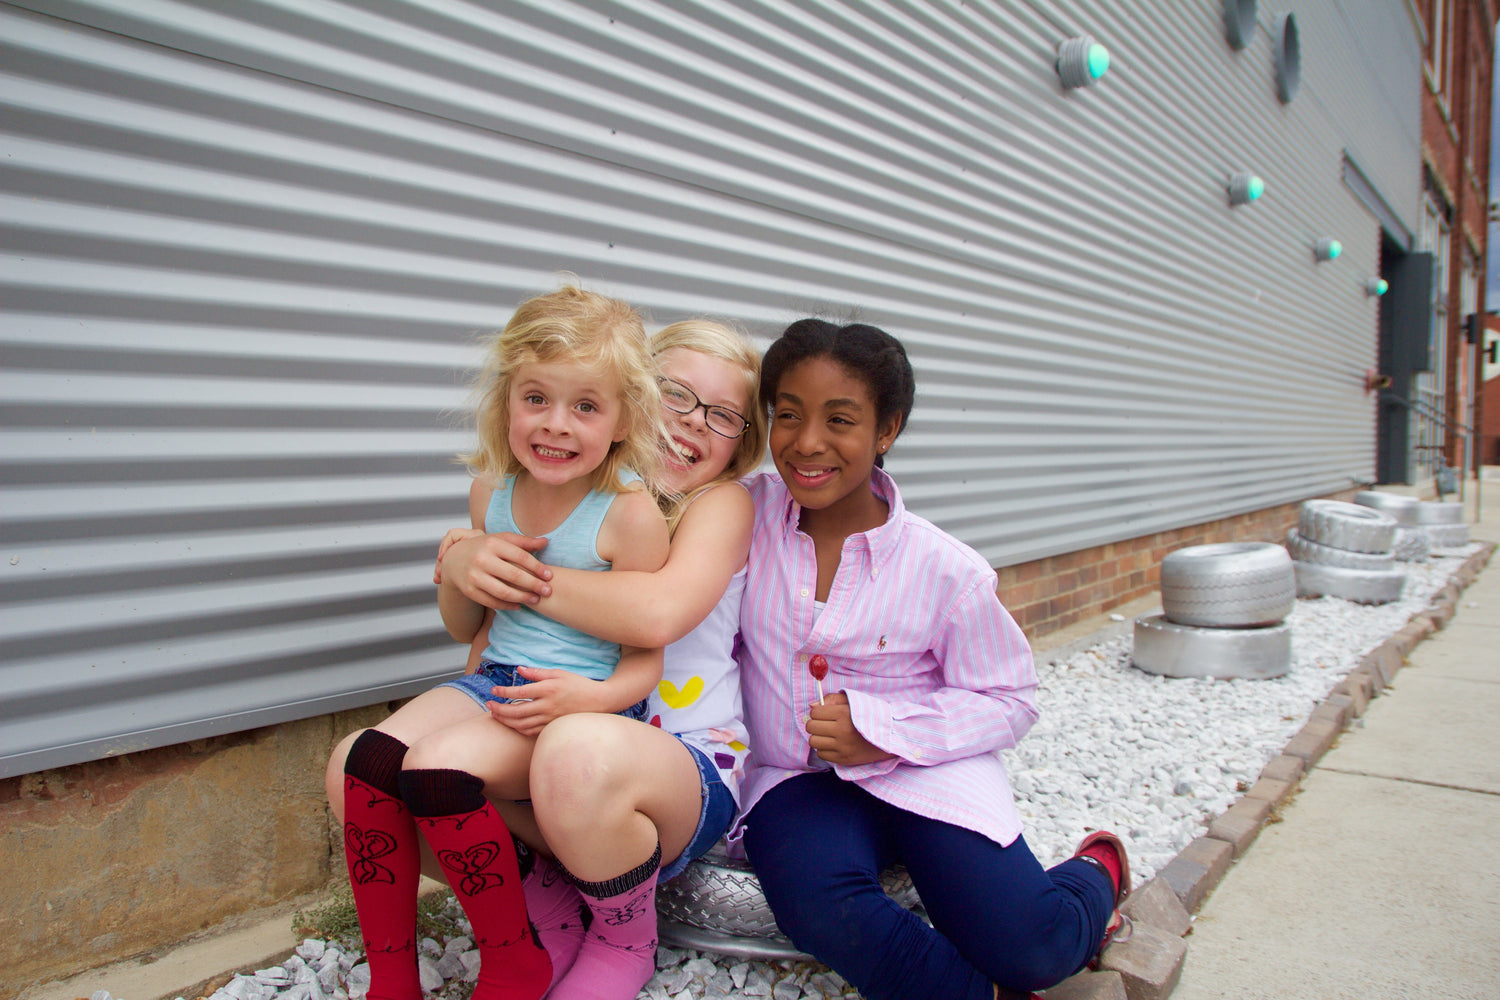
(1052, 593)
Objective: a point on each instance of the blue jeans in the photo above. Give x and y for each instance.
(491, 675)
(819, 843)
(714, 816)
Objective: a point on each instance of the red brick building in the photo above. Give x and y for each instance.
(1459, 59)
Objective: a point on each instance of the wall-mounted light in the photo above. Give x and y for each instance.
(1239, 22)
(1376, 286)
(1081, 62)
(1244, 188)
(1327, 249)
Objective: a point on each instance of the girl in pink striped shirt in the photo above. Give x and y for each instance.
(928, 676)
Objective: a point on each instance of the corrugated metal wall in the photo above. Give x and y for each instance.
(248, 246)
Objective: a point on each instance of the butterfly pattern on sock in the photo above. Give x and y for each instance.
(472, 862)
(616, 916)
(365, 846)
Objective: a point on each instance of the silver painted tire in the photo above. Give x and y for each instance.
(1303, 550)
(1411, 544)
(1228, 585)
(1402, 508)
(1172, 650)
(1433, 512)
(1358, 585)
(716, 904)
(1446, 536)
(1347, 526)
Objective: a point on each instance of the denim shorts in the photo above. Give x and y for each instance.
(491, 675)
(713, 819)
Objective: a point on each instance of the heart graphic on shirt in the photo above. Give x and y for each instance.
(683, 698)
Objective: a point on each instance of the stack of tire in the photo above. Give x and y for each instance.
(1443, 524)
(1346, 550)
(1223, 613)
(1411, 543)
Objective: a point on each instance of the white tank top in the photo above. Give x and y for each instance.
(698, 698)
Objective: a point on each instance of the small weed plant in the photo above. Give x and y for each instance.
(334, 918)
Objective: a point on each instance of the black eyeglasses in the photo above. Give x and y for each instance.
(720, 419)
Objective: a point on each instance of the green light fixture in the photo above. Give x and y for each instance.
(1376, 287)
(1081, 61)
(1245, 188)
(1328, 249)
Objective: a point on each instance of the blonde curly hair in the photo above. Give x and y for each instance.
(607, 338)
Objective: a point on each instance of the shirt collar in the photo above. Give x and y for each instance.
(881, 540)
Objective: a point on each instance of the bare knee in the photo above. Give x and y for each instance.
(575, 769)
(333, 777)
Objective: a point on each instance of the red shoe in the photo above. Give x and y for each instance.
(1104, 850)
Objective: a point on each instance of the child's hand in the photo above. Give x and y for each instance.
(453, 535)
(551, 693)
(831, 732)
(495, 571)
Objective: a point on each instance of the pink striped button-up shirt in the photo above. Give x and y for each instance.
(936, 670)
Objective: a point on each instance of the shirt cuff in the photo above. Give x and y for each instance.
(872, 717)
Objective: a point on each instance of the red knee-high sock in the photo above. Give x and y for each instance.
(474, 847)
(619, 949)
(555, 909)
(381, 848)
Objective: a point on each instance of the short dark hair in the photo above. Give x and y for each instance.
(866, 352)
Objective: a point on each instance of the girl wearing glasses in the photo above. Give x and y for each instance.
(610, 795)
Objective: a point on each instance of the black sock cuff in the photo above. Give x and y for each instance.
(620, 883)
(441, 792)
(375, 758)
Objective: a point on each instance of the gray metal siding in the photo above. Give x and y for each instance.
(248, 247)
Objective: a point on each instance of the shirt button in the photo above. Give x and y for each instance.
(874, 572)
(804, 591)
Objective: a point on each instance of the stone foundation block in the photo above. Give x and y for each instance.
(1150, 963)
(1156, 904)
(1336, 708)
(1089, 986)
(1313, 740)
(1285, 768)
(1441, 613)
(1196, 870)
(1240, 824)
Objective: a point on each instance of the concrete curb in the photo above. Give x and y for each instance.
(1198, 868)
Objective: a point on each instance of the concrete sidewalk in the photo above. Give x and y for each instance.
(1383, 879)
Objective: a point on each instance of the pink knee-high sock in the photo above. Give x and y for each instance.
(474, 848)
(556, 911)
(381, 849)
(618, 954)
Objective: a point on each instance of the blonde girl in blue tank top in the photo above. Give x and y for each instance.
(568, 418)
(613, 798)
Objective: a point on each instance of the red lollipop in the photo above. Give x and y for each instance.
(817, 665)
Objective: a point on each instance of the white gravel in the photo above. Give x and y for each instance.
(1152, 758)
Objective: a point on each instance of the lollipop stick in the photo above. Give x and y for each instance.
(820, 692)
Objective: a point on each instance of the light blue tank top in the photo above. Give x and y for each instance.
(524, 637)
